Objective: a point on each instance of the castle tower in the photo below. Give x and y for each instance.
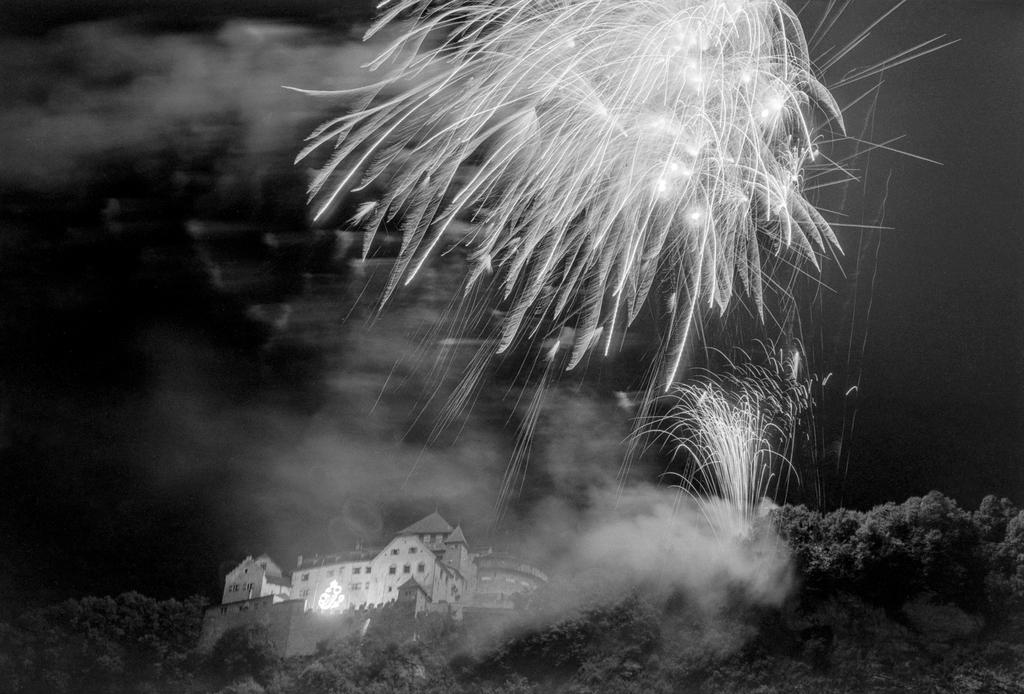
(456, 553)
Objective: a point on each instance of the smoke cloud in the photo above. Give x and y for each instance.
(323, 431)
(89, 94)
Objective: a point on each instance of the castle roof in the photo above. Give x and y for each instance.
(412, 584)
(272, 567)
(358, 555)
(456, 536)
(433, 523)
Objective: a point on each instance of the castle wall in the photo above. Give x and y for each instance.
(290, 628)
(270, 611)
(307, 629)
(405, 557)
(500, 577)
(358, 580)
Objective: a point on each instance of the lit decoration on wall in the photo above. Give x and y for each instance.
(332, 597)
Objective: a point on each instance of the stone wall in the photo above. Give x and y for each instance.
(291, 628)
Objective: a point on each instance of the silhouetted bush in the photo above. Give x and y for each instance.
(243, 652)
(926, 545)
(99, 644)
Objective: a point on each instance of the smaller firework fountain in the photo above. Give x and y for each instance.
(736, 432)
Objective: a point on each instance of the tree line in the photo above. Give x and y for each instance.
(918, 596)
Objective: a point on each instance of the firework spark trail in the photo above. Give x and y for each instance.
(601, 147)
(737, 431)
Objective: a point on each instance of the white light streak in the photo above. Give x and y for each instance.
(604, 137)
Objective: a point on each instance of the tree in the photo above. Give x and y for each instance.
(244, 651)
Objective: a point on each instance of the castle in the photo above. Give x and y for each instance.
(426, 567)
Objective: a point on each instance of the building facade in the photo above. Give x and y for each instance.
(255, 578)
(426, 567)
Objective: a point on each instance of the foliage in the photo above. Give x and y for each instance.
(921, 596)
(926, 545)
(244, 651)
(98, 644)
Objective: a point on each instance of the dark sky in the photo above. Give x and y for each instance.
(156, 419)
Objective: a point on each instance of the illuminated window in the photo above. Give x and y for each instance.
(421, 567)
(407, 569)
(392, 569)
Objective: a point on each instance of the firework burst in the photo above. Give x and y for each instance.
(736, 433)
(600, 148)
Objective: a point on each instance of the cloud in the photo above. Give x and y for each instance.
(92, 93)
(348, 450)
(652, 537)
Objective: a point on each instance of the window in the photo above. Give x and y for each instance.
(366, 585)
(407, 569)
(305, 577)
(412, 550)
(223, 610)
(392, 570)
(368, 569)
(353, 586)
(304, 594)
(394, 551)
(421, 567)
(356, 570)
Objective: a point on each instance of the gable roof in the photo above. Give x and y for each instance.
(272, 567)
(429, 525)
(456, 536)
(414, 586)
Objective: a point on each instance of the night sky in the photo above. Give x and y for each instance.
(175, 395)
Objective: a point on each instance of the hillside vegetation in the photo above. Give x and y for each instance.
(922, 596)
